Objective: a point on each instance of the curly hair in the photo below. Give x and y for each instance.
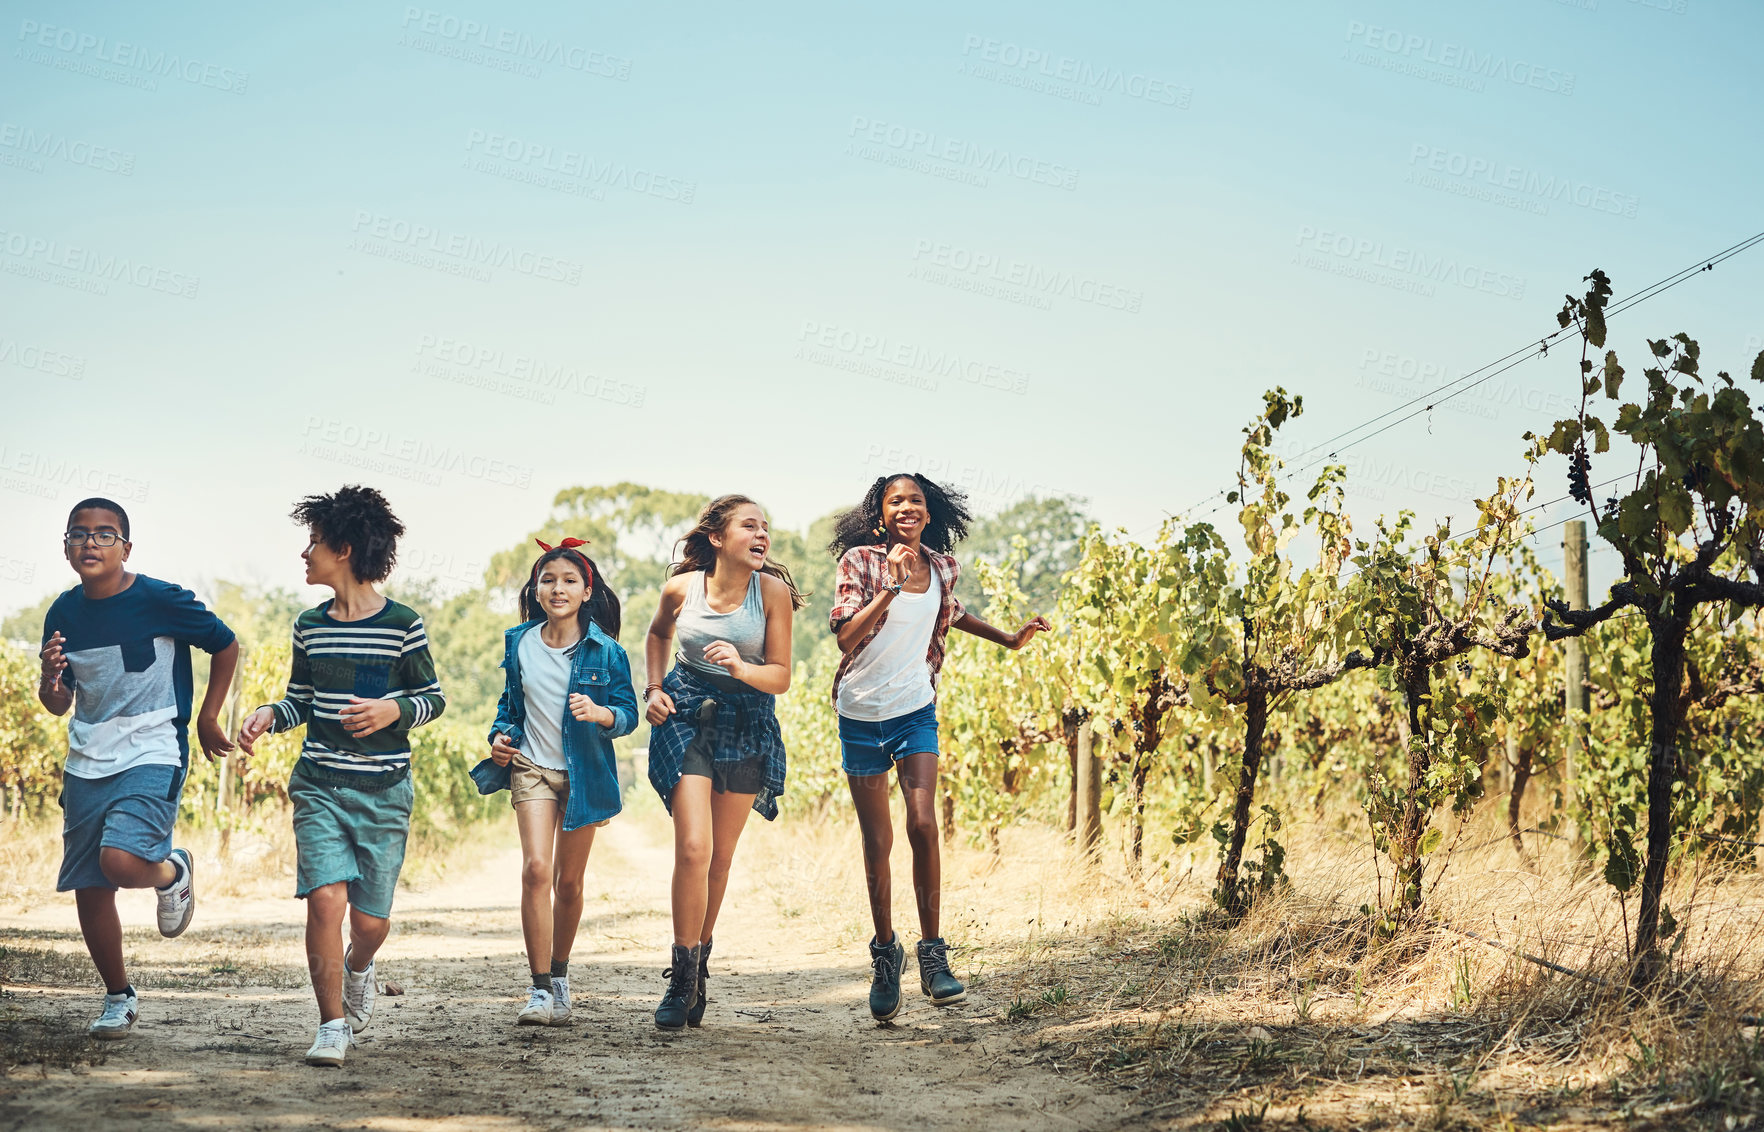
(356, 521)
(600, 606)
(701, 555)
(946, 521)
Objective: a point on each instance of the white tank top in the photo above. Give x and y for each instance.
(891, 677)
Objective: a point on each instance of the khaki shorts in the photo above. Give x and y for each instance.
(528, 782)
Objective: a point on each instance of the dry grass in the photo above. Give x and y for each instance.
(28, 1043)
(1299, 1016)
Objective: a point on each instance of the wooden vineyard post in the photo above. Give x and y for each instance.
(224, 796)
(1089, 791)
(1574, 657)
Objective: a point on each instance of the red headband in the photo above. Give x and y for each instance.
(571, 544)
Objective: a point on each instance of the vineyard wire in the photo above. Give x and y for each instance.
(1505, 362)
(1529, 510)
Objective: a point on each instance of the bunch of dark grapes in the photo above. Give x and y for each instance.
(1579, 489)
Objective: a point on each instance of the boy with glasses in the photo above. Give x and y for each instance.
(116, 649)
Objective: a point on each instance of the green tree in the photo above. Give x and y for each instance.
(1052, 529)
(27, 624)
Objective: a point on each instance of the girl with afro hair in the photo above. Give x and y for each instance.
(893, 607)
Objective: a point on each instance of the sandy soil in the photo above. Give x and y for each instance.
(787, 1043)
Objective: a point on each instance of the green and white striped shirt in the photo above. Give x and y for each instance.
(385, 656)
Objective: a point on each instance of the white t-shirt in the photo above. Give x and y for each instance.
(545, 686)
(891, 677)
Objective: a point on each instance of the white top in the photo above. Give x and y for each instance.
(891, 677)
(545, 686)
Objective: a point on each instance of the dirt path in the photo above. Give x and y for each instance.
(226, 1016)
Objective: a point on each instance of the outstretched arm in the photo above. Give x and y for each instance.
(968, 623)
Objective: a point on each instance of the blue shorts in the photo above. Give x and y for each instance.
(344, 833)
(873, 747)
(133, 811)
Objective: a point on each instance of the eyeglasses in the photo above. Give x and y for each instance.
(78, 537)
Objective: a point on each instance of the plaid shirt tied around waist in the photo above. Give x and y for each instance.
(863, 573)
(739, 725)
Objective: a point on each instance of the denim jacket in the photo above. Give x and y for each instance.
(600, 670)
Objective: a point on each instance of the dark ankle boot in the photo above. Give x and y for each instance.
(941, 987)
(695, 1016)
(682, 978)
(886, 960)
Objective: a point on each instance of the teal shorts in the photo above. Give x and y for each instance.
(345, 833)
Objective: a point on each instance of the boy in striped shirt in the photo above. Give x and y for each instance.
(361, 679)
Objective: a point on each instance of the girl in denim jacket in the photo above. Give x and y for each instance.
(567, 697)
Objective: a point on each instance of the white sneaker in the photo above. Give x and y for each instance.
(561, 1007)
(177, 900)
(332, 1043)
(358, 994)
(537, 1012)
(120, 1012)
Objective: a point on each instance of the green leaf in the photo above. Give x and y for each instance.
(1564, 435)
(1431, 839)
(1621, 867)
(1668, 923)
(1758, 367)
(1614, 373)
(1675, 508)
(1595, 326)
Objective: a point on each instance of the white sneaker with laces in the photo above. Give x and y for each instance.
(358, 994)
(332, 1043)
(120, 1012)
(537, 1012)
(561, 1007)
(177, 900)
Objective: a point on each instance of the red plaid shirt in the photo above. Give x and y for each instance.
(863, 572)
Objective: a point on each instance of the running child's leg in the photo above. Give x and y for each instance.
(692, 853)
(537, 821)
(125, 870)
(326, 907)
(869, 797)
(728, 818)
(691, 806)
(102, 929)
(366, 933)
(918, 789)
(566, 899)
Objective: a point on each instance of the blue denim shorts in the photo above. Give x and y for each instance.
(873, 747)
(133, 811)
(351, 834)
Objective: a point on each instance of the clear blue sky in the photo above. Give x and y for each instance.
(782, 249)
